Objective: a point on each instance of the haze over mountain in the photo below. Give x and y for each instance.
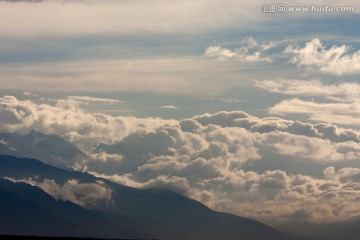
(127, 212)
(97, 195)
(46, 148)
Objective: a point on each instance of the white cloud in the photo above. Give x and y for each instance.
(68, 120)
(231, 161)
(344, 175)
(338, 60)
(87, 99)
(30, 94)
(337, 113)
(250, 43)
(206, 162)
(84, 194)
(345, 97)
(5, 143)
(225, 100)
(270, 124)
(342, 92)
(169, 107)
(219, 53)
(249, 51)
(307, 148)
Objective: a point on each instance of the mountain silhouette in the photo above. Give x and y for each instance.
(135, 213)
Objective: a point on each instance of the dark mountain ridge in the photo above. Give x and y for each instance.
(136, 213)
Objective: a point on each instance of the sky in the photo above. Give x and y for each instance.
(250, 111)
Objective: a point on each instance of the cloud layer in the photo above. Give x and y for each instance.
(67, 119)
(93, 17)
(264, 168)
(342, 104)
(32, 18)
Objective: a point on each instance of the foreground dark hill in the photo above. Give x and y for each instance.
(134, 213)
(20, 216)
(40, 214)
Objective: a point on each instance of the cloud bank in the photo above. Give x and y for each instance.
(67, 119)
(264, 168)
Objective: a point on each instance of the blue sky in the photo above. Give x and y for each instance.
(157, 52)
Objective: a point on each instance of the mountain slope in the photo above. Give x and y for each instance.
(22, 217)
(152, 212)
(49, 149)
(83, 222)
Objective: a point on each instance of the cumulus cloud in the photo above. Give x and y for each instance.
(264, 168)
(249, 51)
(310, 199)
(271, 124)
(68, 120)
(267, 196)
(337, 60)
(210, 158)
(306, 148)
(84, 194)
(344, 175)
